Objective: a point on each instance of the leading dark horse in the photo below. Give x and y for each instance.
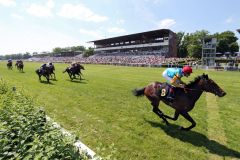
(43, 72)
(185, 98)
(73, 71)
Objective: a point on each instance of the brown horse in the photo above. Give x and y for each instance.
(19, 64)
(185, 99)
(9, 65)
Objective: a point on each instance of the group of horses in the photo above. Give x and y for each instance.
(73, 71)
(19, 64)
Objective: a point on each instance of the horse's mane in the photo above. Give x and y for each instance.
(196, 80)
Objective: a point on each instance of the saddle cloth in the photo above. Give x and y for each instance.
(165, 90)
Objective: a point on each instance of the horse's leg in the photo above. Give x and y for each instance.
(159, 112)
(189, 118)
(176, 115)
(47, 77)
(80, 76)
(70, 75)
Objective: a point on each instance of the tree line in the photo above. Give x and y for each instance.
(190, 44)
(56, 52)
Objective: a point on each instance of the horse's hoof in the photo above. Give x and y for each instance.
(167, 123)
(183, 129)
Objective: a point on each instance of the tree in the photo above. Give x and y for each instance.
(194, 43)
(88, 52)
(181, 45)
(222, 46)
(57, 50)
(227, 42)
(194, 50)
(26, 55)
(233, 47)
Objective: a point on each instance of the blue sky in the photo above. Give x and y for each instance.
(41, 25)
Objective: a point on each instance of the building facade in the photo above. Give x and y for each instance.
(158, 42)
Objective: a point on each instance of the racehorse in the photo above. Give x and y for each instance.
(74, 70)
(185, 99)
(19, 65)
(51, 70)
(9, 65)
(43, 72)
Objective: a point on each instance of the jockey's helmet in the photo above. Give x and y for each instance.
(187, 70)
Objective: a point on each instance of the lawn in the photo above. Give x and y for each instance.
(102, 111)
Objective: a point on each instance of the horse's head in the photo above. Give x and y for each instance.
(210, 86)
(81, 67)
(66, 70)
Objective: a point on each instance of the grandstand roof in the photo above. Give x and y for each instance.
(135, 36)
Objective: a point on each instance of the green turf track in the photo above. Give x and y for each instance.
(102, 111)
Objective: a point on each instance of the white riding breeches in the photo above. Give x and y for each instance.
(165, 75)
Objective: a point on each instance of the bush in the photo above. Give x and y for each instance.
(25, 133)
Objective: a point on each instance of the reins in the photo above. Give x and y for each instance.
(193, 89)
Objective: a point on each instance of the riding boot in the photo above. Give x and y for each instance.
(171, 96)
(170, 99)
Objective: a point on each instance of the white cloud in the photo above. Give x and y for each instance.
(50, 4)
(80, 12)
(36, 39)
(229, 20)
(8, 3)
(166, 23)
(16, 16)
(116, 30)
(120, 21)
(91, 33)
(41, 10)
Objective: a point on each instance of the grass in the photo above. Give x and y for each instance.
(102, 111)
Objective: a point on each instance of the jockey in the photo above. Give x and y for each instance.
(174, 75)
(10, 60)
(43, 67)
(74, 64)
(50, 64)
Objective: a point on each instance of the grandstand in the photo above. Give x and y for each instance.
(157, 42)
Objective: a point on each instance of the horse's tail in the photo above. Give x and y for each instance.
(138, 92)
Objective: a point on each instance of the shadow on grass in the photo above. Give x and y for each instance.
(196, 139)
(77, 81)
(45, 82)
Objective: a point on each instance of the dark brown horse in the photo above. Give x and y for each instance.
(19, 64)
(43, 72)
(9, 65)
(185, 99)
(74, 70)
